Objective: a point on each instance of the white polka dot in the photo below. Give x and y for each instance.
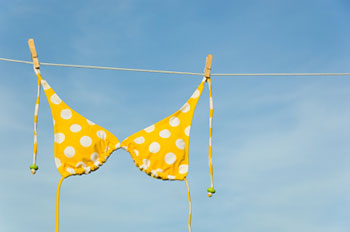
(85, 141)
(70, 170)
(174, 121)
(155, 172)
(90, 122)
(139, 140)
(170, 177)
(164, 133)
(149, 129)
(170, 158)
(117, 145)
(87, 170)
(195, 94)
(183, 169)
(59, 138)
(75, 128)
(80, 164)
(180, 144)
(94, 156)
(146, 164)
(55, 99)
(66, 114)
(154, 147)
(45, 85)
(101, 134)
(136, 152)
(58, 162)
(69, 152)
(97, 163)
(187, 130)
(185, 108)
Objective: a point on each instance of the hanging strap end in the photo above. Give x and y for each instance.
(211, 191)
(33, 168)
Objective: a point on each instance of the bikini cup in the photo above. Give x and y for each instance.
(81, 146)
(161, 150)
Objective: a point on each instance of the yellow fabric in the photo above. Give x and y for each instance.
(35, 144)
(189, 206)
(58, 202)
(81, 146)
(210, 153)
(161, 150)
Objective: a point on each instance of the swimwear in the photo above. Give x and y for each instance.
(81, 146)
(161, 150)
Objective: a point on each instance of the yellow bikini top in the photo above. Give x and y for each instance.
(81, 146)
(160, 150)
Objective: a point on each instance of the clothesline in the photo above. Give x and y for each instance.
(175, 72)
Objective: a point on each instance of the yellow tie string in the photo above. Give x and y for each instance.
(211, 190)
(58, 202)
(34, 167)
(189, 206)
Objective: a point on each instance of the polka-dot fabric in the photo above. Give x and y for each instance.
(81, 146)
(161, 150)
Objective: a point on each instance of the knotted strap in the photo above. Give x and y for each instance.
(211, 190)
(34, 167)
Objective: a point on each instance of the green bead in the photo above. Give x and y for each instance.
(34, 167)
(211, 190)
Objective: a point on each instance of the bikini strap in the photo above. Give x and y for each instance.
(58, 203)
(36, 67)
(211, 190)
(207, 70)
(34, 167)
(189, 205)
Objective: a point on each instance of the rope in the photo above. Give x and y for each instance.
(175, 72)
(16, 61)
(104, 68)
(280, 74)
(189, 206)
(58, 202)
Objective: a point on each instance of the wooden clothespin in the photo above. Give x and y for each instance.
(208, 66)
(34, 54)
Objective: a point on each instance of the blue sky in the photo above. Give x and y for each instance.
(280, 146)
